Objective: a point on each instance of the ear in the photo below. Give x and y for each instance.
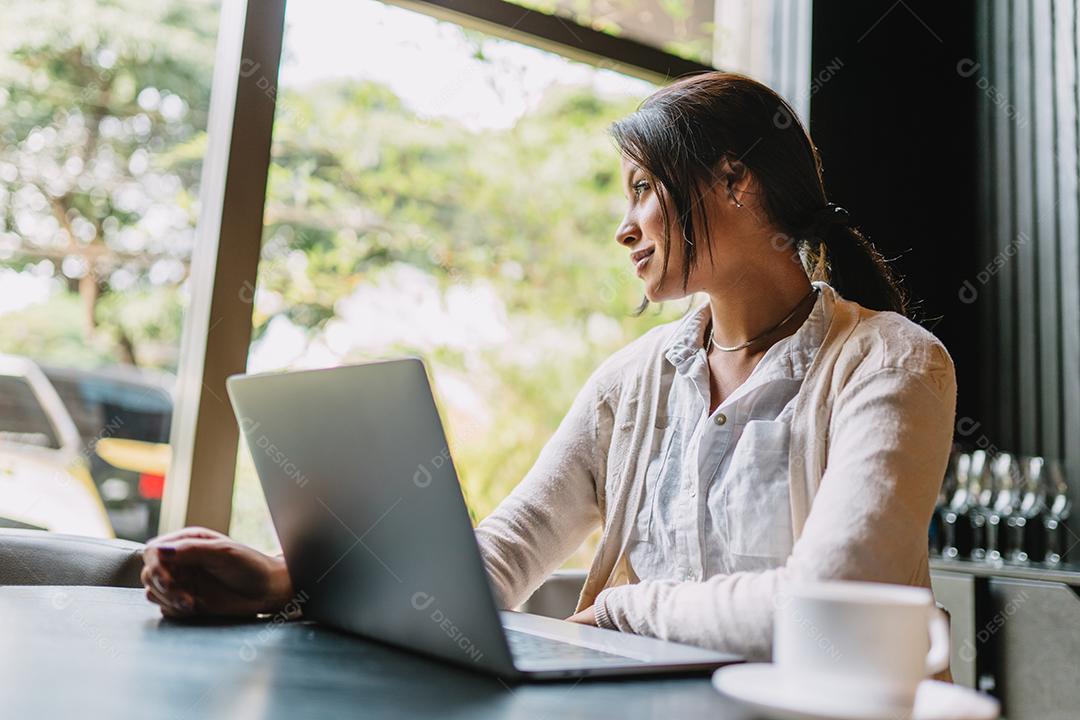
(733, 179)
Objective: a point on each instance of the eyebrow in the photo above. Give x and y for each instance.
(629, 176)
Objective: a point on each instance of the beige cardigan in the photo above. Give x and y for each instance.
(870, 439)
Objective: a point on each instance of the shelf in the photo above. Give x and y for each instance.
(1068, 573)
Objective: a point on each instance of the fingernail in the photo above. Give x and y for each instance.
(157, 584)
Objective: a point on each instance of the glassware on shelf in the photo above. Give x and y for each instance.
(1003, 503)
(936, 538)
(980, 486)
(954, 505)
(998, 507)
(1025, 538)
(1058, 509)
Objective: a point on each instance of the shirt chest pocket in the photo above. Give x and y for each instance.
(756, 498)
(661, 476)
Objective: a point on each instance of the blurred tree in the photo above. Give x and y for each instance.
(680, 27)
(102, 114)
(102, 117)
(360, 187)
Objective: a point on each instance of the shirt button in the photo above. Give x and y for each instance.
(721, 418)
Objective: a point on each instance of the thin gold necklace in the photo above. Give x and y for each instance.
(751, 341)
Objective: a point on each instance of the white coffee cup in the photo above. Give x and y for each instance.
(873, 643)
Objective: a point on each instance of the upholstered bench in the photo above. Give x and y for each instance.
(36, 557)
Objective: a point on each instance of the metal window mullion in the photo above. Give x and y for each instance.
(217, 324)
(1004, 227)
(1023, 264)
(559, 35)
(1067, 76)
(1042, 118)
(985, 155)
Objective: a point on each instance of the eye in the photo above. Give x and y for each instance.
(639, 187)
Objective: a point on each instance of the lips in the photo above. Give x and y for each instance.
(641, 257)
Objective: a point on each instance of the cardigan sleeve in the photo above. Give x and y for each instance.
(552, 510)
(889, 442)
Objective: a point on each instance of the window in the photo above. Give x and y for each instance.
(103, 111)
(23, 420)
(433, 190)
(767, 39)
(685, 28)
(459, 203)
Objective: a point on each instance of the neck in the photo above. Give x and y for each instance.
(752, 306)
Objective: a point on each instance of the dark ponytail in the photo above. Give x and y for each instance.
(839, 253)
(685, 132)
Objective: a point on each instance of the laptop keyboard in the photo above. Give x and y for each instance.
(534, 648)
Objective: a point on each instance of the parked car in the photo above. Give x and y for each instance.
(106, 431)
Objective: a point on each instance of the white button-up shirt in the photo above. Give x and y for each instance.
(716, 490)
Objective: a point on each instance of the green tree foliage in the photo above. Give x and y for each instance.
(361, 185)
(98, 102)
(361, 189)
(680, 27)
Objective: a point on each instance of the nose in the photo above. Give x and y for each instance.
(628, 232)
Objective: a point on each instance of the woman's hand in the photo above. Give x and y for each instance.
(196, 571)
(585, 617)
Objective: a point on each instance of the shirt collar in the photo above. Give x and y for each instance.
(793, 353)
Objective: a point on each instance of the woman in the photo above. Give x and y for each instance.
(795, 426)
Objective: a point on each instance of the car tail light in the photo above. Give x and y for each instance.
(151, 487)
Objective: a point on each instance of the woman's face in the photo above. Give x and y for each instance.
(642, 233)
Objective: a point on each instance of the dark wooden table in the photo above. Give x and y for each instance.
(85, 652)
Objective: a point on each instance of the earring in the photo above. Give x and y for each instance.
(738, 204)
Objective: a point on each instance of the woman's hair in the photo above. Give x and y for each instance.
(704, 128)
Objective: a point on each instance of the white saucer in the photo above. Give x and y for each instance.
(764, 688)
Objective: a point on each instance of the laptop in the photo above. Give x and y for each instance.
(367, 505)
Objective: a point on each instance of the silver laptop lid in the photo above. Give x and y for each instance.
(363, 493)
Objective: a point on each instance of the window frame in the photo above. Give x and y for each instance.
(229, 233)
(217, 324)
